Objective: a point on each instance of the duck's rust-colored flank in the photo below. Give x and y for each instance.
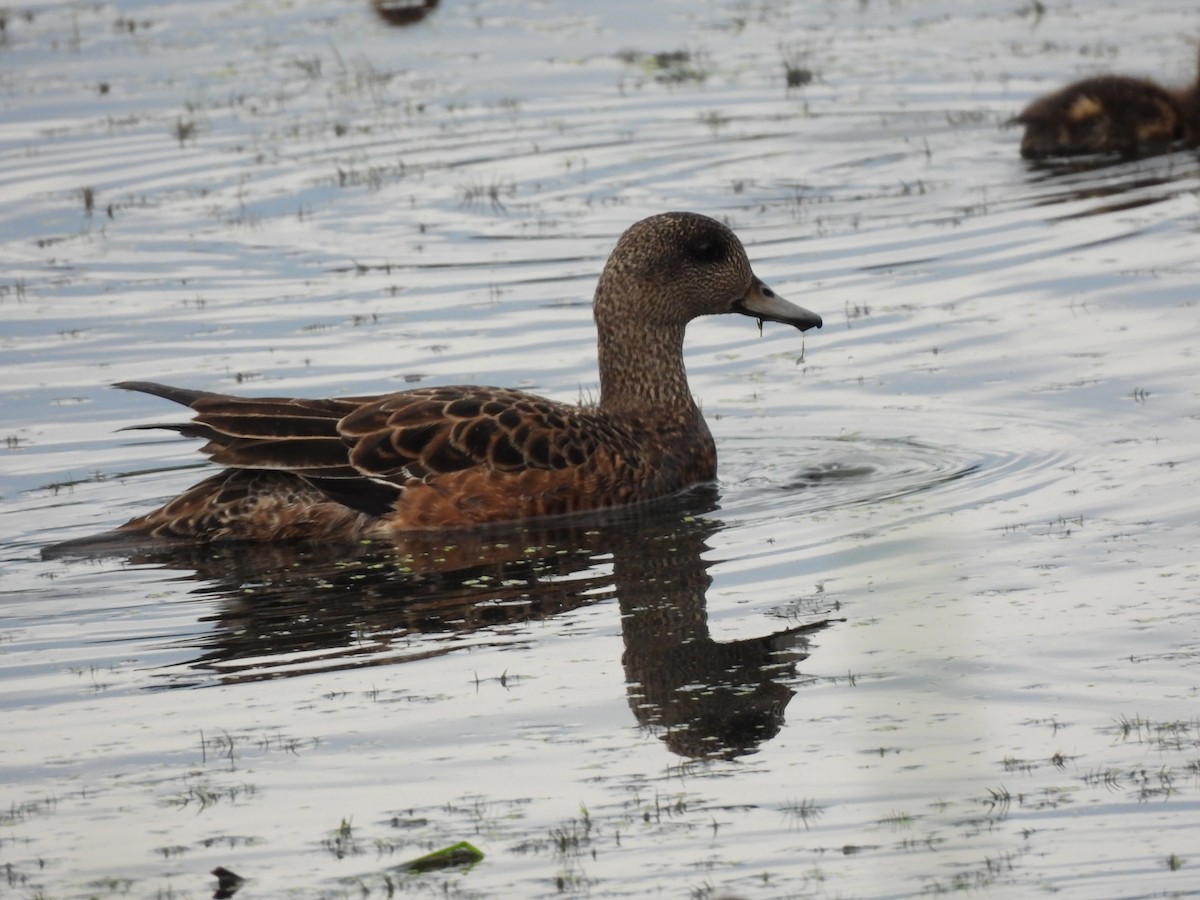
(1111, 114)
(458, 456)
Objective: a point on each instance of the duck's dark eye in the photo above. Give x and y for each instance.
(708, 248)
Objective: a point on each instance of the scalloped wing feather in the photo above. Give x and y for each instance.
(415, 434)
(426, 433)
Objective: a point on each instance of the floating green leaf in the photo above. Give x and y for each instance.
(461, 854)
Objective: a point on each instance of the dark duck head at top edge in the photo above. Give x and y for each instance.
(461, 456)
(1111, 114)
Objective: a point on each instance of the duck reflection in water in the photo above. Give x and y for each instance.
(298, 609)
(703, 698)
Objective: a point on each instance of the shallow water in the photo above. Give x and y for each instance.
(935, 629)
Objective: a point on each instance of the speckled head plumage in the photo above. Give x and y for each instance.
(665, 271)
(676, 266)
(462, 455)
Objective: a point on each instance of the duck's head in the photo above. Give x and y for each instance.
(677, 266)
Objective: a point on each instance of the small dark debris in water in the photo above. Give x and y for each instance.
(804, 811)
(859, 312)
(129, 26)
(342, 843)
(474, 194)
(184, 130)
(103, 88)
(403, 12)
(399, 822)
(1037, 9)
(227, 883)
(461, 854)
(999, 799)
(667, 67)
(310, 66)
(655, 60)
(795, 70)
(798, 77)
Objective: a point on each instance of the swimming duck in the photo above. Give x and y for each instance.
(403, 12)
(461, 456)
(1111, 114)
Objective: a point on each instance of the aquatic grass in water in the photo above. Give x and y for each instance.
(940, 607)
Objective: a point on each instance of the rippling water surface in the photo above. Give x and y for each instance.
(935, 629)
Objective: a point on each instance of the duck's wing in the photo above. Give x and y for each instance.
(421, 434)
(365, 451)
(278, 434)
(284, 433)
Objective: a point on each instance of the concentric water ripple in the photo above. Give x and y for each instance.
(858, 471)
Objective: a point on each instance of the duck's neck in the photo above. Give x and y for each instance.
(642, 371)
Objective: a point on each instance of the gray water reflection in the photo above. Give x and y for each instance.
(282, 610)
(1123, 184)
